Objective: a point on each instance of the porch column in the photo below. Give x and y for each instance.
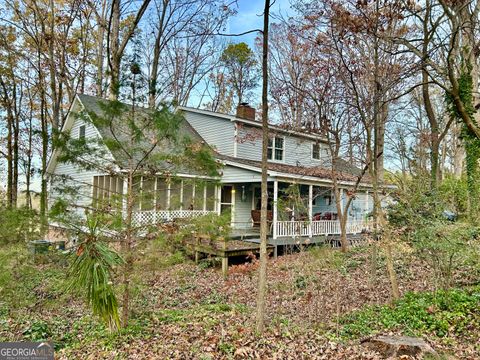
(169, 189)
(155, 213)
(204, 198)
(218, 198)
(232, 207)
(275, 214)
(342, 205)
(310, 210)
(181, 195)
(124, 197)
(366, 203)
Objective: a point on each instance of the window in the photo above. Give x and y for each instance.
(275, 148)
(316, 151)
(328, 200)
(81, 132)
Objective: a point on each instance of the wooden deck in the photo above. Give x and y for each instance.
(224, 249)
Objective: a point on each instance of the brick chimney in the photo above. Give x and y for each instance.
(245, 111)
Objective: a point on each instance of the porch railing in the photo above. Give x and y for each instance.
(319, 227)
(151, 217)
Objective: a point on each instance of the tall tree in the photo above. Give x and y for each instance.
(262, 271)
(240, 63)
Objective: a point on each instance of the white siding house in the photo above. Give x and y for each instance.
(296, 159)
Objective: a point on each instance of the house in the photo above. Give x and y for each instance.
(301, 202)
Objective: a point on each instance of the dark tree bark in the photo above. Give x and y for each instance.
(262, 273)
(116, 45)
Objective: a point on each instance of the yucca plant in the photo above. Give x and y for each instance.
(91, 274)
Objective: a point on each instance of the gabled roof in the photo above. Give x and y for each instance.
(255, 123)
(94, 104)
(95, 107)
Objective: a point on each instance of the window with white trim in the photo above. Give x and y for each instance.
(276, 148)
(81, 132)
(316, 151)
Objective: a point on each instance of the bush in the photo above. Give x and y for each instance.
(416, 204)
(454, 194)
(442, 313)
(18, 225)
(446, 247)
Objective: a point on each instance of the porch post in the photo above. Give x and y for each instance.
(181, 194)
(232, 208)
(155, 214)
(310, 210)
(342, 205)
(124, 197)
(205, 198)
(275, 214)
(219, 198)
(366, 203)
(169, 183)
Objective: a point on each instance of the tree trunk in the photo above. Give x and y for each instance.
(392, 275)
(43, 195)
(152, 91)
(9, 160)
(342, 217)
(28, 167)
(16, 131)
(127, 250)
(114, 58)
(432, 119)
(100, 49)
(262, 275)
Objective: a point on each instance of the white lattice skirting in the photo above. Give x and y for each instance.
(151, 217)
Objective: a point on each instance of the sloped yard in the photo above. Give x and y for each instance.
(320, 304)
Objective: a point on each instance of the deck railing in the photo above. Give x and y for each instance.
(151, 217)
(319, 227)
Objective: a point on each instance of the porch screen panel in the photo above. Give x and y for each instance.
(162, 193)
(187, 195)
(175, 192)
(136, 190)
(107, 190)
(198, 198)
(148, 193)
(210, 196)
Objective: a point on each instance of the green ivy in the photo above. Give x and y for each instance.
(471, 141)
(441, 313)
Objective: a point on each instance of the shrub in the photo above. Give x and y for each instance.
(446, 247)
(18, 225)
(416, 204)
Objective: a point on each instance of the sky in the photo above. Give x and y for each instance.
(250, 16)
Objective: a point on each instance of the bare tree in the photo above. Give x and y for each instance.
(262, 271)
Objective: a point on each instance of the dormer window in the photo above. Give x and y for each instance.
(81, 132)
(319, 152)
(316, 151)
(276, 148)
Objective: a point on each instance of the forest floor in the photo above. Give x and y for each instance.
(320, 304)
